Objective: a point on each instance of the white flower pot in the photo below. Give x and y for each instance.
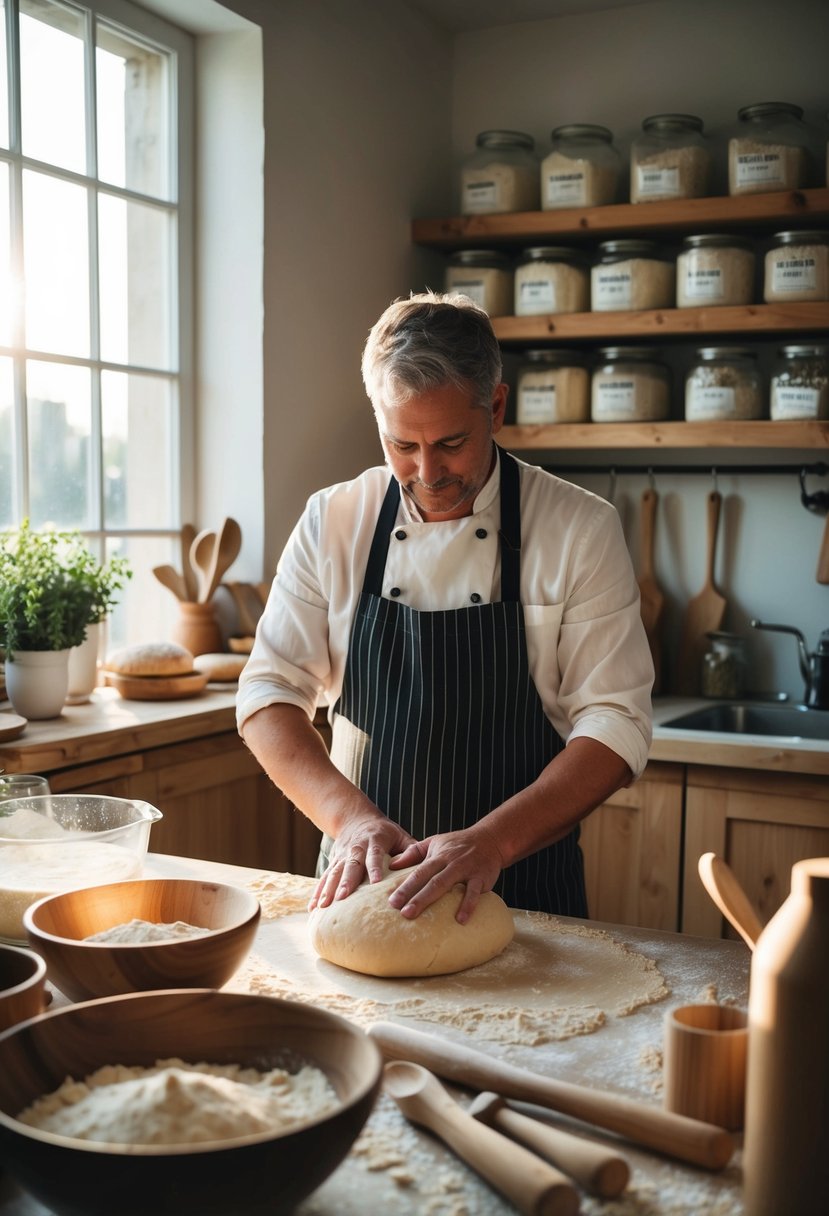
(36, 682)
(83, 665)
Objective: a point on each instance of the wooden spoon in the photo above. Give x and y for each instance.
(529, 1183)
(172, 580)
(225, 551)
(188, 535)
(201, 556)
(722, 885)
(652, 601)
(704, 613)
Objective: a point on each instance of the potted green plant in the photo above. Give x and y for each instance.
(52, 589)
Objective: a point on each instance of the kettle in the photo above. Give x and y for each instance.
(814, 667)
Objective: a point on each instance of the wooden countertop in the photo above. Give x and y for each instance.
(614, 1057)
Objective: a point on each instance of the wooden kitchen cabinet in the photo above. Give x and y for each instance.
(761, 824)
(631, 846)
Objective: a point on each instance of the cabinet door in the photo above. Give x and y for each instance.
(760, 825)
(631, 846)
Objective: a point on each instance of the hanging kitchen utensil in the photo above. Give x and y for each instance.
(188, 535)
(531, 1185)
(172, 580)
(722, 885)
(652, 601)
(225, 551)
(201, 558)
(677, 1135)
(704, 613)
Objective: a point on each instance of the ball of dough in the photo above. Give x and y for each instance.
(364, 933)
(151, 659)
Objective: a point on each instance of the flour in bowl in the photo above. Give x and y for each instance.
(179, 1103)
(135, 930)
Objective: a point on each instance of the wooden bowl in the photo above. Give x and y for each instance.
(57, 925)
(265, 1173)
(22, 985)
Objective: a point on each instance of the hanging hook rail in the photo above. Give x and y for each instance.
(720, 470)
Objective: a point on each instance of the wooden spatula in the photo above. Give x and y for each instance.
(704, 613)
(652, 601)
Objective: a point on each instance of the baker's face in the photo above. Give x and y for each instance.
(439, 447)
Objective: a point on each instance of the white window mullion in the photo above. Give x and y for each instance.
(96, 471)
(20, 471)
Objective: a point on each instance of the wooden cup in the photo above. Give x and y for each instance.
(704, 1061)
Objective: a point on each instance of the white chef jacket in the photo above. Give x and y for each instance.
(587, 650)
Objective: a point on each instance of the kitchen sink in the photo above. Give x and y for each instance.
(747, 718)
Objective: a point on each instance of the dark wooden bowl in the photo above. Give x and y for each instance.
(254, 1175)
(56, 925)
(22, 985)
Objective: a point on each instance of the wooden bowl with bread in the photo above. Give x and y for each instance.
(154, 671)
(153, 933)
(192, 1166)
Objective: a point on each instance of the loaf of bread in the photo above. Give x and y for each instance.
(220, 667)
(151, 659)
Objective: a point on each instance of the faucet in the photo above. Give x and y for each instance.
(814, 667)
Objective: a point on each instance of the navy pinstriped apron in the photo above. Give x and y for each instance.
(439, 720)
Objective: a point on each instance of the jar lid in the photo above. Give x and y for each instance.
(504, 139)
(765, 109)
(581, 130)
(802, 237)
(726, 352)
(613, 354)
(554, 355)
(686, 121)
(478, 257)
(717, 240)
(552, 253)
(798, 351)
(630, 248)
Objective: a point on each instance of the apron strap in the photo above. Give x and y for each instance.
(376, 567)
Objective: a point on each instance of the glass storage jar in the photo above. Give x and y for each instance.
(723, 385)
(670, 159)
(501, 175)
(797, 267)
(630, 384)
(632, 275)
(771, 149)
(582, 170)
(484, 275)
(724, 666)
(800, 384)
(550, 278)
(714, 269)
(553, 386)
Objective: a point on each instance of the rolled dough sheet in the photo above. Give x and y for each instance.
(556, 980)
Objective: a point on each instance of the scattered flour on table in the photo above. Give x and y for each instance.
(136, 930)
(282, 894)
(179, 1103)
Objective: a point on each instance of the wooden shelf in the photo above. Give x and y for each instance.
(751, 320)
(798, 208)
(665, 436)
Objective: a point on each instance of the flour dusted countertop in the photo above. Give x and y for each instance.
(524, 1010)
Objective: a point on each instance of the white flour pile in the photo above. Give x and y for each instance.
(136, 930)
(179, 1103)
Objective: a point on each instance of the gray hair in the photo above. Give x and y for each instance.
(428, 341)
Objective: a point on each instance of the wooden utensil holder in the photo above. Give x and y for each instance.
(704, 1052)
(197, 628)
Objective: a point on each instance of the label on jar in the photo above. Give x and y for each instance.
(766, 168)
(474, 288)
(537, 404)
(612, 288)
(704, 284)
(480, 196)
(661, 182)
(616, 398)
(794, 402)
(536, 295)
(794, 274)
(710, 401)
(567, 188)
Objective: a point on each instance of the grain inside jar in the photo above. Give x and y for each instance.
(551, 279)
(630, 385)
(553, 387)
(483, 275)
(800, 384)
(631, 275)
(582, 170)
(723, 386)
(670, 159)
(797, 267)
(769, 151)
(501, 175)
(715, 269)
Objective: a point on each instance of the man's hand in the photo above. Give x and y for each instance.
(360, 849)
(471, 857)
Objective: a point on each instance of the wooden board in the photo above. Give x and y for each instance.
(157, 688)
(704, 613)
(11, 726)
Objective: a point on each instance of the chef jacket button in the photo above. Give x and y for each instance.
(395, 591)
(480, 533)
(400, 534)
(476, 599)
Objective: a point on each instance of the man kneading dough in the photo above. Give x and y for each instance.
(365, 933)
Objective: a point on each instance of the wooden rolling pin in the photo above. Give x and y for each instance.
(676, 1135)
(598, 1169)
(530, 1184)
